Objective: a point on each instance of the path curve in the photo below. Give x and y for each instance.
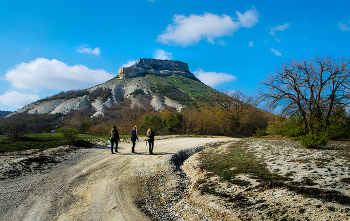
(96, 186)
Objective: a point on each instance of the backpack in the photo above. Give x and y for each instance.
(150, 134)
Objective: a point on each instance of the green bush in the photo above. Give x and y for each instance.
(155, 122)
(313, 140)
(259, 132)
(137, 92)
(173, 124)
(292, 127)
(69, 133)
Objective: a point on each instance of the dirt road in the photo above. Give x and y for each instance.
(93, 184)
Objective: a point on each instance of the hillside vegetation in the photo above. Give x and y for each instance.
(184, 90)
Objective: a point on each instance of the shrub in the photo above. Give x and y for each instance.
(259, 132)
(173, 124)
(313, 140)
(290, 127)
(16, 129)
(69, 133)
(137, 92)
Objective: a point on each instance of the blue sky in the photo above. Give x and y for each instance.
(51, 46)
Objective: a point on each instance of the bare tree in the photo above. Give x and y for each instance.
(313, 89)
(16, 129)
(223, 100)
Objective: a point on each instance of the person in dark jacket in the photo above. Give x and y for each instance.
(133, 139)
(150, 135)
(114, 136)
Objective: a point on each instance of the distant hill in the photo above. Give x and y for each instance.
(4, 113)
(162, 83)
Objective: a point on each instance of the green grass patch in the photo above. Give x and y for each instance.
(31, 141)
(192, 88)
(48, 140)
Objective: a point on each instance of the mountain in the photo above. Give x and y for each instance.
(161, 83)
(4, 113)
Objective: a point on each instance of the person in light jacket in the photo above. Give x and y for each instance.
(133, 139)
(114, 137)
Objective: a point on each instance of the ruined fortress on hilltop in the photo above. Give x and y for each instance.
(146, 66)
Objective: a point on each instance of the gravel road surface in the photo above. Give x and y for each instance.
(92, 183)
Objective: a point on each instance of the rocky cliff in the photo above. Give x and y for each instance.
(159, 67)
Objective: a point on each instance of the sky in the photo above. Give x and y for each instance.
(51, 46)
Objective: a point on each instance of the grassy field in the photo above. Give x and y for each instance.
(47, 140)
(191, 87)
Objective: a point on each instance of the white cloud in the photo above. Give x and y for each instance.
(343, 26)
(249, 18)
(277, 40)
(212, 78)
(221, 42)
(276, 52)
(163, 55)
(17, 99)
(53, 74)
(129, 63)
(190, 30)
(84, 49)
(278, 28)
(250, 44)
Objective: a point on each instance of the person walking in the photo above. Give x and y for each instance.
(133, 138)
(114, 136)
(150, 135)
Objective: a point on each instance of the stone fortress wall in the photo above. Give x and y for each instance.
(159, 67)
